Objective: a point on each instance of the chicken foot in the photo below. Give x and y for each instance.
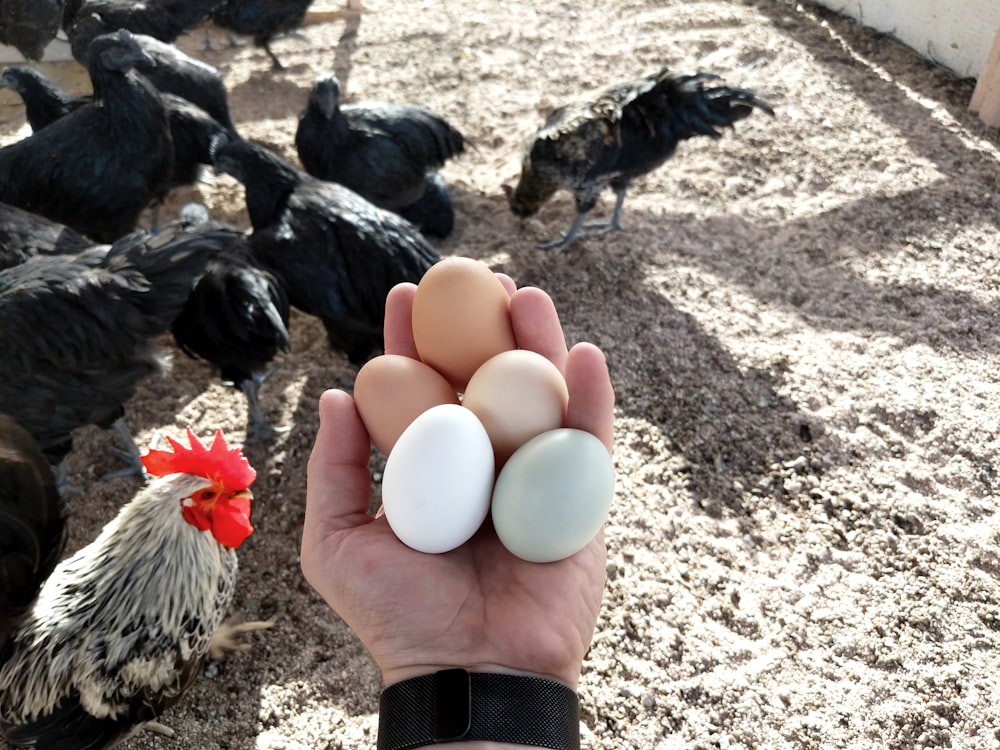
(130, 455)
(576, 229)
(258, 428)
(616, 215)
(229, 636)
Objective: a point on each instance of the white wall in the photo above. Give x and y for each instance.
(955, 33)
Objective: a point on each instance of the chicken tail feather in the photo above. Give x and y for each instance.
(32, 527)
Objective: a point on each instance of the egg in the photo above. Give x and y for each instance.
(461, 318)
(516, 394)
(553, 495)
(438, 479)
(391, 390)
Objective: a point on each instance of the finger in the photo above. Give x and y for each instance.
(507, 281)
(339, 485)
(536, 324)
(591, 394)
(398, 326)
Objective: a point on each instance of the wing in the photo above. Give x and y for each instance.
(338, 255)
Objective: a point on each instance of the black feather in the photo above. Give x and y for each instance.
(192, 128)
(263, 20)
(385, 151)
(98, 167)
(336, 254)
(44, 102)
(32, 527)
(236, 318)
(24, 234)
(29, 25)
(85, 20)
(78, 332)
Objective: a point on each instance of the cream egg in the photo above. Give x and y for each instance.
(553, 495)
(516, 394)
(438, 479)
(391, 390)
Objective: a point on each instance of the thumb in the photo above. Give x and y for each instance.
(338, 484)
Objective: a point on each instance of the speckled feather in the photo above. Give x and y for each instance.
(627, 130)
(121, 628)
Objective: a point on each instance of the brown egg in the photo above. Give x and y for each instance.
(461, 318)
(391, 391)
(516, 395)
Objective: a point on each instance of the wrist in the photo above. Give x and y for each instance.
(479, 711)
(568, 677)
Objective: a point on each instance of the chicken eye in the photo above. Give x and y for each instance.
(207, 494)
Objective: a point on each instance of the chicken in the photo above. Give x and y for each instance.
(32, 528)
(236, 318)
(191, 128)
(172, 71)
(29, 25)
(192, 131)
(162, 19)
(385, 151)
(169, 69)
(98, 167)
(121, 629)
(78, 332)
(336, 254)
(627, 131)
(261, 19)
(44, 102)
(24, 235)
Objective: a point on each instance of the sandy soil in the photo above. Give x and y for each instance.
(801, 321)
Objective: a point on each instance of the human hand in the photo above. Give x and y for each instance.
(477, 607)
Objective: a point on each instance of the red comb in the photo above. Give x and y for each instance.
(220, 463)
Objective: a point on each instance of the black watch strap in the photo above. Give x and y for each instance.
(454, 705)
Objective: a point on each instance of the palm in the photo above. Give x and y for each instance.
(477, 606)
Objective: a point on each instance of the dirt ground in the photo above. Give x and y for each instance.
(802, 324)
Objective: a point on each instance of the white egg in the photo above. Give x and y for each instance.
(438, 478)
(553, 494)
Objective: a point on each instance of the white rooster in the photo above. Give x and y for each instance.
(121, 629)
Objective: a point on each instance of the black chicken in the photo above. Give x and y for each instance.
(191, 128)
(162, 19)
(175, 72)
(337, 254)
(386, 152)
(24, 235)
(261, 19)
(98, 167)
(29, 25)
(628, 130)
(192, 131)
(32, 528)
(169, 69)
(77, 332)
(236, 318)
(44, 102)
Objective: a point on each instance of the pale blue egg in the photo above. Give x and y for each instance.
(438, 478)
(553, 494)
